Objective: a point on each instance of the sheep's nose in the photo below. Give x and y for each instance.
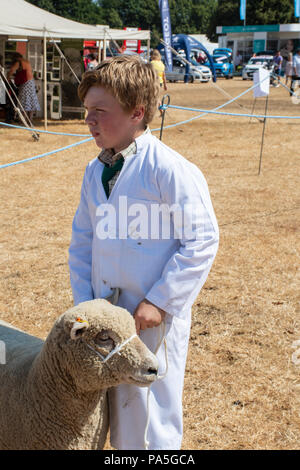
(151, 370)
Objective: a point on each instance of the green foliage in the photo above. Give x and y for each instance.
(44, 4)
(187, 16)
(227, 13)
(84, 11)
(270, 12)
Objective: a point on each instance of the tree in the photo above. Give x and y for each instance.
(187, 16)
(270, 12)
(202, 13)
(44, 4)
(112, 18)
(227, 13)
(84, 11)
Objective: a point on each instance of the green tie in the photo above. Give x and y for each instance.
(109, 172)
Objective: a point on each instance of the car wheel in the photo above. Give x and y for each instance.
(191, 80)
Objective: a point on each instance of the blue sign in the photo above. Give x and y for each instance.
(242, 9)
(167, 32)
(297, 8)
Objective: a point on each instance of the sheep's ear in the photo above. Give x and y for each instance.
(78, 328)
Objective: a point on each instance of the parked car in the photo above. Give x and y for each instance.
(223, 65)
(223, 50)
(271, 53)
(265, 61)
(197, 73)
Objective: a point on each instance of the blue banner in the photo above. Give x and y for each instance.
(242, 9)
(167, 32)
(297, 8)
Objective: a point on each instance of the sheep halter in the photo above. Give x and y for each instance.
(163, 340)
(116, 350)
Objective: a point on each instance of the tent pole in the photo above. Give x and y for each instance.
(99, 51)
(45, 82)
(148, 50)
(104, 46)
(104, 49)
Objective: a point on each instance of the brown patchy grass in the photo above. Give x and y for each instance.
(241, 388)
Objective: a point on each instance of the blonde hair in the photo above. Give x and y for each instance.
(155, 55)
(132, 83)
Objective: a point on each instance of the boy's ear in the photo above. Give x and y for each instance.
(138, 113)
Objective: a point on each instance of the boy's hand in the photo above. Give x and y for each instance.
(147, 315)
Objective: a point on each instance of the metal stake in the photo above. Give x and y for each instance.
(263, 134)
(167, 97)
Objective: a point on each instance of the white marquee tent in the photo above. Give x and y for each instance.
(20, 19)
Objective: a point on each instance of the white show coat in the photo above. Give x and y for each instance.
(168, 271)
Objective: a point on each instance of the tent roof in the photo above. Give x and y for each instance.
(22, 19)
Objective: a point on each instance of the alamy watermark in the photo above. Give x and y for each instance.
(150, 220)
(2, 352)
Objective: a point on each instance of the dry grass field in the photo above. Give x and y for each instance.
(242, 390)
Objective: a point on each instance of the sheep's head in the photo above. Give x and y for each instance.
(100, 348)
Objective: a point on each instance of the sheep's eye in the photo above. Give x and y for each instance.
(102, 336)
(103, 339)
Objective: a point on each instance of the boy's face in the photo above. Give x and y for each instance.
(109, 124)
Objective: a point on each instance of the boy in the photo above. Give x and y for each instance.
(144, 227)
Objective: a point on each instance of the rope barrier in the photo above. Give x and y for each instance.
(292, 93)
(46, 154)
(203, 112)
(215, 109)
(15, 102)
(87, 135)
(42, 131)
(261, 116)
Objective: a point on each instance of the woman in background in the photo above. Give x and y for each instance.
(25, 82)
(159, 67)
(289, 69)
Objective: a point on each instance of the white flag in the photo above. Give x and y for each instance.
(261, 78)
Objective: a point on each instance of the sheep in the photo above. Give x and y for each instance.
(53, 392)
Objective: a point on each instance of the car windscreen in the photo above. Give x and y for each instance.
(220, 60)
(259, 61)
(178, 63)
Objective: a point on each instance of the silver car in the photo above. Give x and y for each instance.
(198, 73)
(255, 63)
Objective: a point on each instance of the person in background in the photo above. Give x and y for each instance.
(278, 65)
(238, 60)
(296, 70)
(287, 49)
(23, 79)
(92, 62)
(289, 69)
(201, 59)
(159, 68)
